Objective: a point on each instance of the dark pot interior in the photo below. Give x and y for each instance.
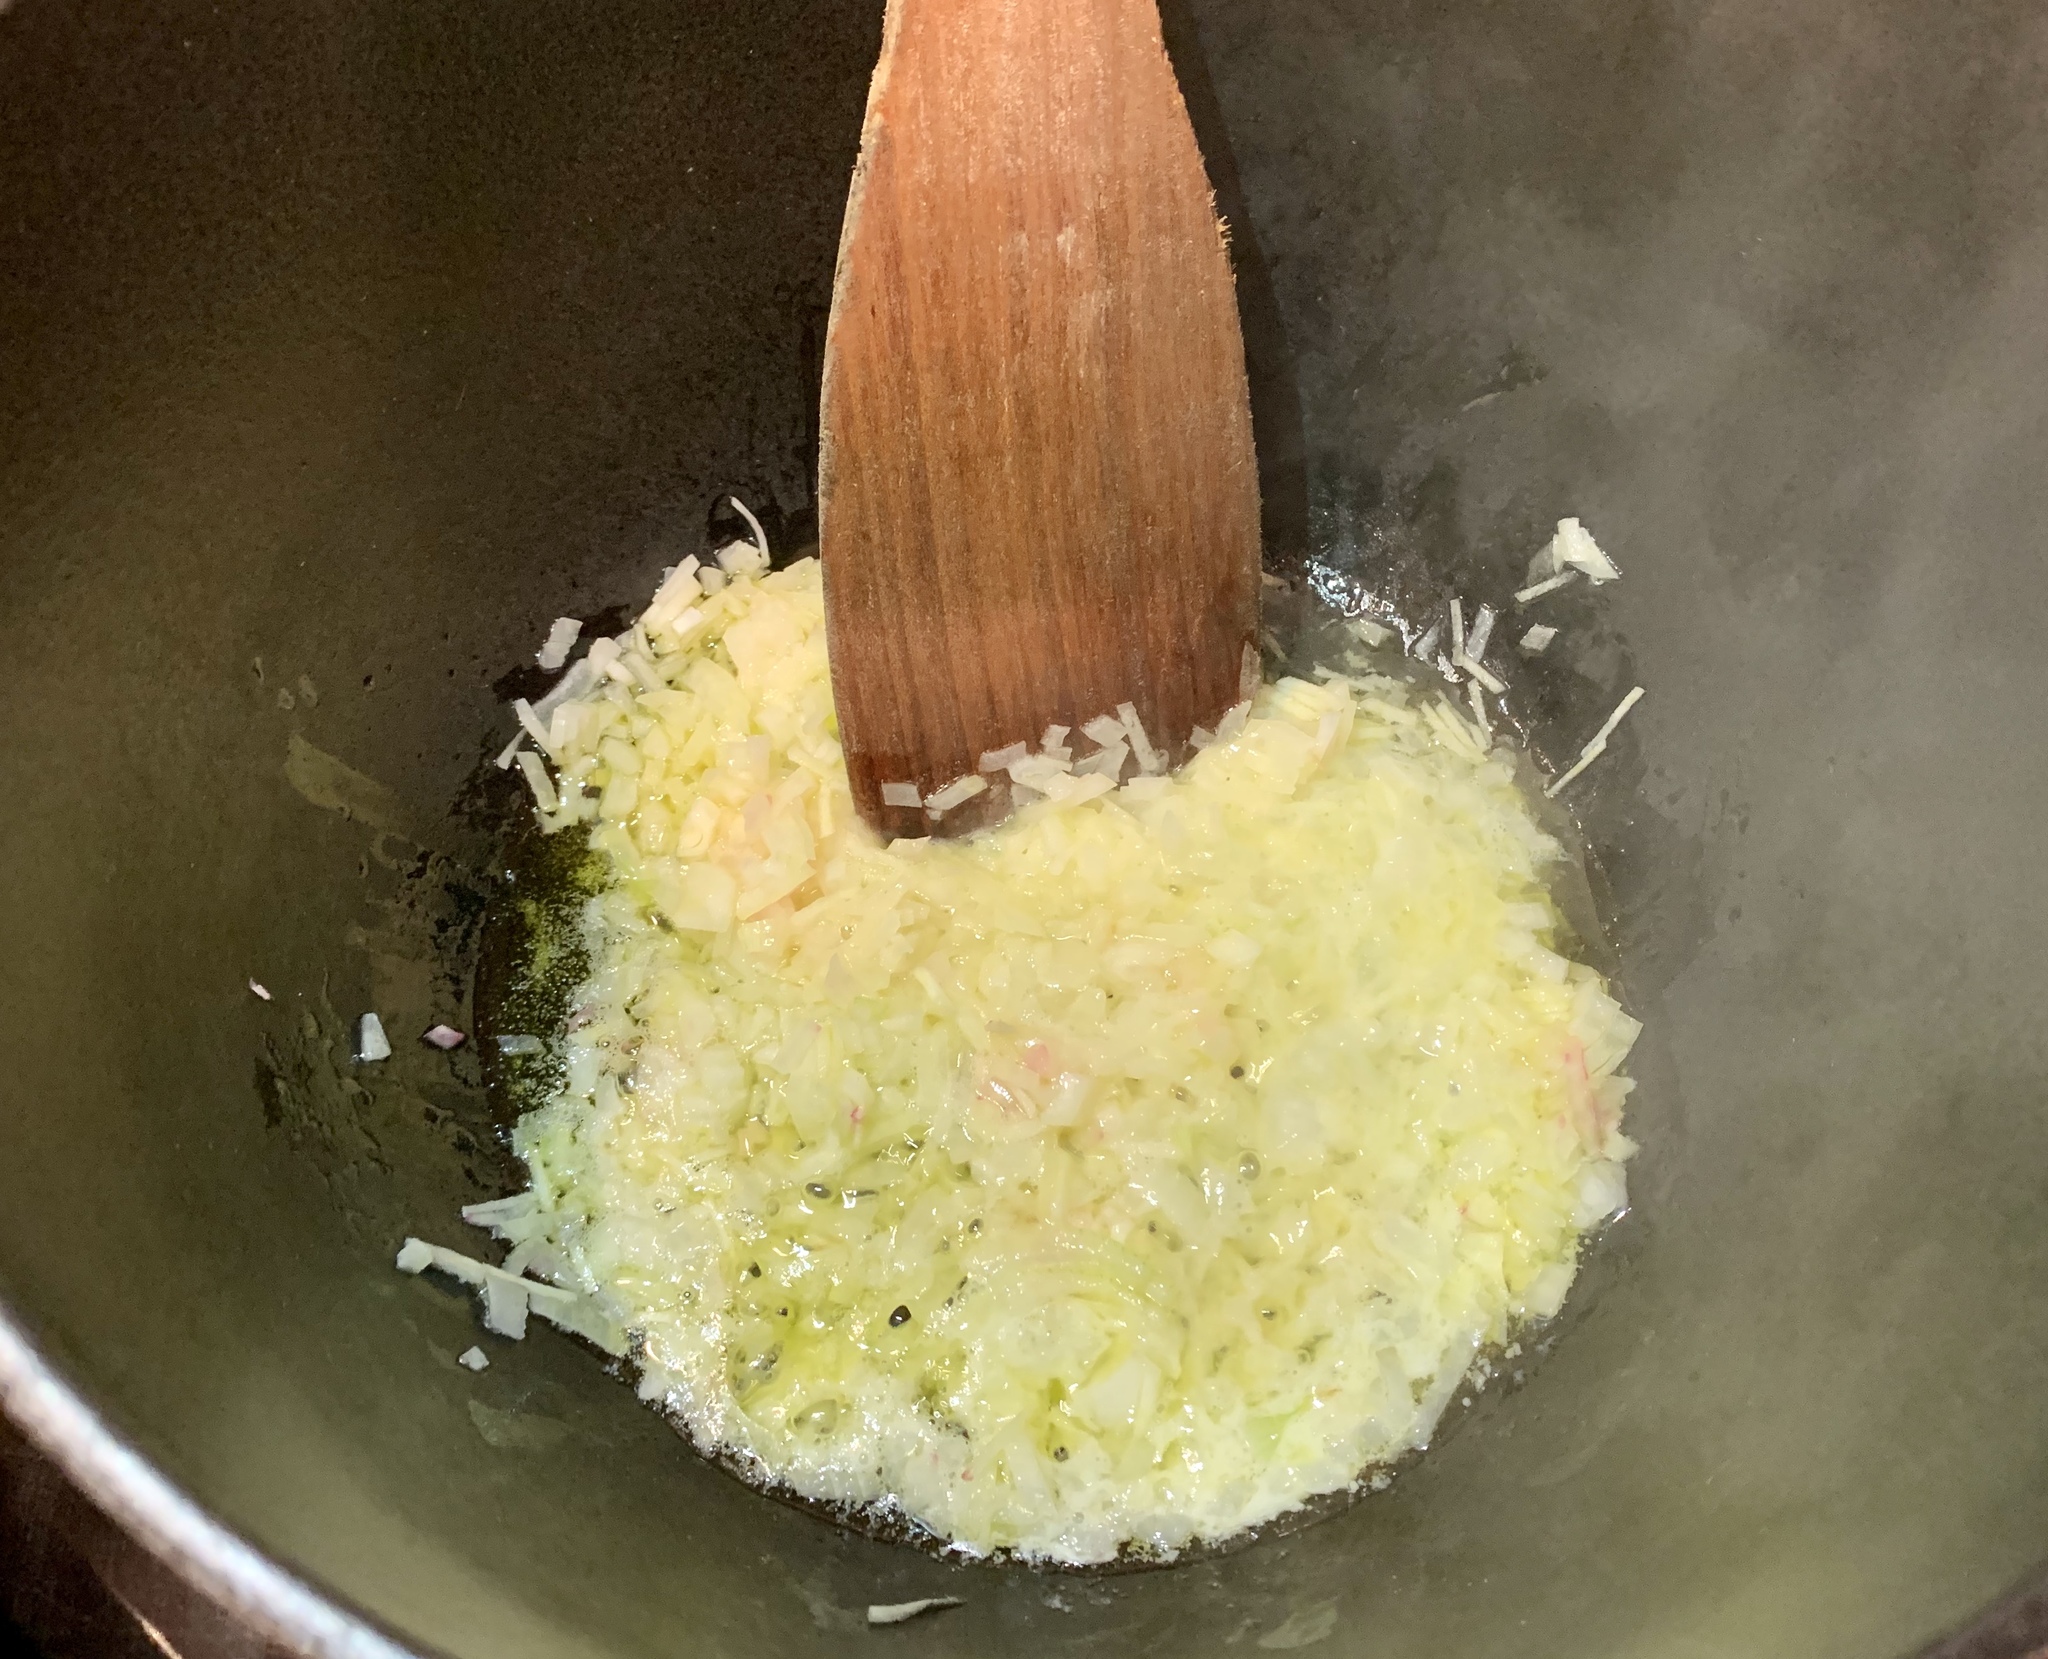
(343, 345)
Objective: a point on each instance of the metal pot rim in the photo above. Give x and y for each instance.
(136, 1494)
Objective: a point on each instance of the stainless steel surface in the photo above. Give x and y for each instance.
(349, 343)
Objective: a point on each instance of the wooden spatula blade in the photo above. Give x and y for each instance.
(1038, 496)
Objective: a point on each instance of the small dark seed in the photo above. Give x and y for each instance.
(974, 1226)
(1248, 1166)
(901, 1316)
(782, 1313)
(1237, 1071)
(1059, 1454)
(818, 1189)
(753, 1270)
(1268, 1313)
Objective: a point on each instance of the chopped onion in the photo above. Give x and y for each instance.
(580, 678)
(260, 990)
(1573, 548)
(444, 1036)
(520, 1043)
(532, 722)
(942, 801)
(1107, 761)
(1484, 675)
(1598, 745)
(1150, 760)
(1537, 640)
(1537, 590)
(1482, 634)
(896, 1612)
(555, 650)
(371, 1043)
(1000, 760)
(901, 794)
(753, 524)
(1478, 700)
(508, 1298)
(474, 1359)
(800, 1046)
(538, 781)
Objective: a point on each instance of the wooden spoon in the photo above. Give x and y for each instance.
(1037, 493)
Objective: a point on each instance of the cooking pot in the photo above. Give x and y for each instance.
(345, 343)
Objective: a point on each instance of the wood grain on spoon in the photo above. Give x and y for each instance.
(1038, 497)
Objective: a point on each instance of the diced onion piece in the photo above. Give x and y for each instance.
(1573, 548)
(896, 1612)
(1425, 647)
(371, 1043)
(644, 672)
(1067, 790)
(508, 1298)
(1001, 760)
(1478, 700)
(1231, 727)
(261, 991)
(532, 722)
(444, 1036)
(474, 1359)
(1484, 675)
(1482, 634)
(671, 610)
(1536, 590)
(1150, 760)
(942, 801)
(539, 782)
(1107, 761)
(901, 794)
(1598, 745)
(555, 649)
(1537, 640)
(1104, 730)
(760, 536)
(505, 754)
(1035, 771)
(1457, 628)
(1054, 742)
(580, 678)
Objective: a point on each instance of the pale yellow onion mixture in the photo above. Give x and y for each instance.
(1123, 1176)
